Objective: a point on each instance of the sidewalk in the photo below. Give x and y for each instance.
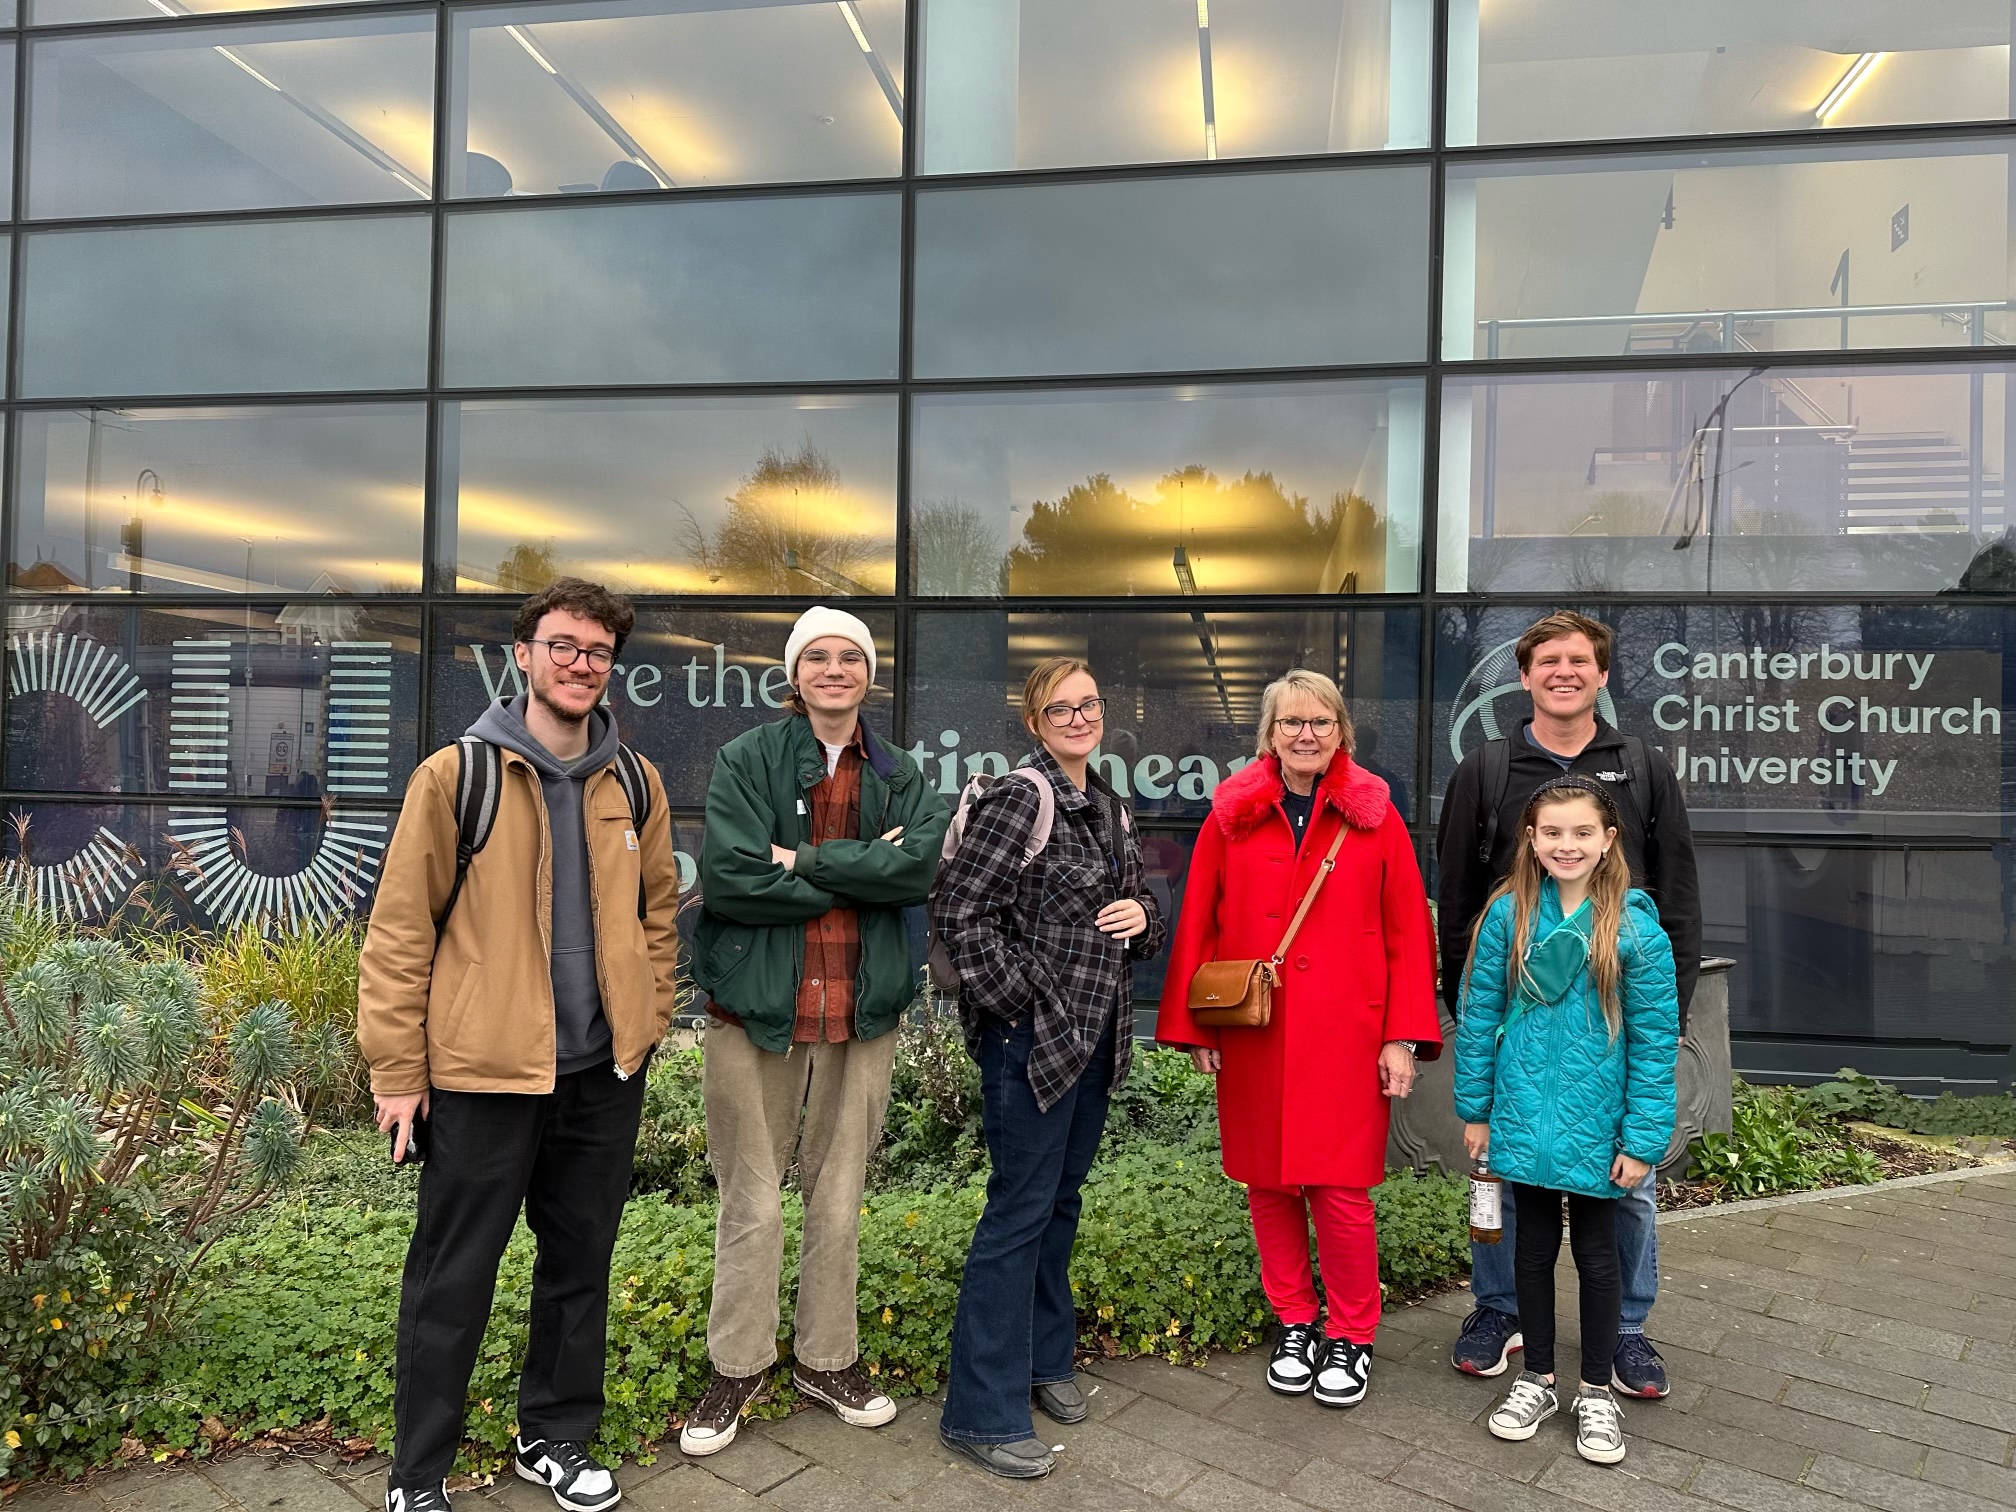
(1853, 1352)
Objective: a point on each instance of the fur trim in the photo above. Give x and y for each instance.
(1245, 799)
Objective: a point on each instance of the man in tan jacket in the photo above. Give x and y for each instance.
(515, 1030)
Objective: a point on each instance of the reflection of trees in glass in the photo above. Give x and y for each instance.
(528, 567)
(1248, 534)
(956, 550)
(777, 536)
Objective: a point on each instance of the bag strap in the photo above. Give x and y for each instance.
(1309, 897)
(1494, 777)
(478, 776)
(630, 774)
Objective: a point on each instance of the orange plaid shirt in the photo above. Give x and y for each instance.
(833, 940)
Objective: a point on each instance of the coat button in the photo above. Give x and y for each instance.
(815, 981)
(1301, 963)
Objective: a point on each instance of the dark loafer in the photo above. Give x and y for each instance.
(1062, 1402)
(1025, 1459)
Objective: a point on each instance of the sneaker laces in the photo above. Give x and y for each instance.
(1527, 1396)
(1296, 1338)
(572, 1456)
(719, 1397)
(1481, 1316)
(1599, 1414)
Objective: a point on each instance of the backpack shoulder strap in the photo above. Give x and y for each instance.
(1638, 773)
(630, 774)
(1494, 776)
(479, 775)
(1046, 813)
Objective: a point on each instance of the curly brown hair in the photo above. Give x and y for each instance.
(572, 595)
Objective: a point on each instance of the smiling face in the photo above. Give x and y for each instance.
(1305, 752)
(1563, 678)
(1569, 837)
(832, 675)
(1077, 739)
(569, 693)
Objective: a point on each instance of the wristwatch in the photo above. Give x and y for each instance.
(1413, 1046)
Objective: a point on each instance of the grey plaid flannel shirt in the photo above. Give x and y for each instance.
(1023, 941)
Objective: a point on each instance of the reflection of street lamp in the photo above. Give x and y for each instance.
(146, 486)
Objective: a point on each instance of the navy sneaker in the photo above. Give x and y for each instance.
(1638, 1371)
(1487, 1343)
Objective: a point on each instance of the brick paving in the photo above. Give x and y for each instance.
(1857, 1352)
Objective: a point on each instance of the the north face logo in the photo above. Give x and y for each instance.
(1613, 776)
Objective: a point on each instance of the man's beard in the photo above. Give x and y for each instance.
(565, 716)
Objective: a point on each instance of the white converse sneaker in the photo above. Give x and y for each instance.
(1530, 1403)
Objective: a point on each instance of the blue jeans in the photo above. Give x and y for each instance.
(1637, 1257)
(1016, 1327)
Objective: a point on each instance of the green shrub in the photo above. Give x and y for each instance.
(125, 1148)
(1779, 1141)
(672, 1136)
(1853, 1095)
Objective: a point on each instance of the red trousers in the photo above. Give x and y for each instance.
(1346, 1243)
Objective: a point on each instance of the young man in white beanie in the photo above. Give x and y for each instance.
(819, 835)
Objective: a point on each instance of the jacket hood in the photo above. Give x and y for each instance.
(503, 724)
(1245, 799)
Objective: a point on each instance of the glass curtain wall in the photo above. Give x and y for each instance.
(1201, 337)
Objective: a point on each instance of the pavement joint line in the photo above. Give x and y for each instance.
(1833, 1194)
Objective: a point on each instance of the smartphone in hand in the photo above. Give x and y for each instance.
(416, 1142)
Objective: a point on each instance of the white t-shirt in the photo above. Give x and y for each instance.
(833, 757)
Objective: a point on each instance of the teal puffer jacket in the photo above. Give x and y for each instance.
(1561, 1096)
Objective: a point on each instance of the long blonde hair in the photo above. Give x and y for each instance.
(1607, 887)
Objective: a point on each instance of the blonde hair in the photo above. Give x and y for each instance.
(1043, 681)
(1607, 887)
(1310, 684)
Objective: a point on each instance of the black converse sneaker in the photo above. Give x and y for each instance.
(426, 1499)
(1293, 1367)
(566, 1468)
(1344, 1373)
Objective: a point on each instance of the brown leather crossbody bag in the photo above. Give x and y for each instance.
(1240, 994)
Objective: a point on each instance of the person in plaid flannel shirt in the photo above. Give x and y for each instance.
(1044, 952)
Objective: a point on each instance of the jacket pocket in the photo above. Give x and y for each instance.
(443, 1031)
(725, 956)
(1073, 893)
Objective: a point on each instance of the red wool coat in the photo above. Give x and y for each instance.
(1299, 1101)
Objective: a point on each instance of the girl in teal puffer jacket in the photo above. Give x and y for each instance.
(1564, 1073)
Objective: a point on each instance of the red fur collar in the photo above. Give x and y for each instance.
(1245, 799)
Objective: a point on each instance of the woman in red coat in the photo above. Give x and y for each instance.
(1302, 1109)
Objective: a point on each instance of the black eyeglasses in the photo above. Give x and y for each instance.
(566, 653)
(1060, 714)
(1317, 727)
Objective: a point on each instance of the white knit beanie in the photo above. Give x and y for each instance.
(818, 622)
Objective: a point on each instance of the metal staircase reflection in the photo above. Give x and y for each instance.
(1913, 481)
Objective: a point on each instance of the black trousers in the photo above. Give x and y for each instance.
(565, 1158)
(1592, 1236)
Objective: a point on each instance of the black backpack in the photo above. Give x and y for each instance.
(1496, 776)
(480, 779)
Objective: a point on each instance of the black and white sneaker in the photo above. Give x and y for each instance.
(1343, 1375)
(1293, 1368)
(426, 1499)
(565, 1467)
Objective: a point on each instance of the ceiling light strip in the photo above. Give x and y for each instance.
(1210, 96)
(1847, 84)
(875, 64)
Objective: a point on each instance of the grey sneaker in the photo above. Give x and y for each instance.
(1599, 1425)
(1529, 1403)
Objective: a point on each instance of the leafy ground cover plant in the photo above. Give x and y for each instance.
(1779, 1141)
(1853, 1095)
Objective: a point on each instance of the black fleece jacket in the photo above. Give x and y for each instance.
(1664, 867)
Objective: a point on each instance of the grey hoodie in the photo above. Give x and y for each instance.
(580, 1032)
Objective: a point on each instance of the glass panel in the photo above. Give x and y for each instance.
(257, 307)
(1060, 83)
(689, 682)
(1182, 690)
(663, 94)
(1842, 943)
(65, 12)
(1756, 251)
(1573, 70)
(1161, 274)
(7, 112)
(752, 494)
(315, 499)
(163, 867)
(232, 117)
(1781, 480)
(1835, 720)
(1243, 489)
(275, 700)
(800, 289)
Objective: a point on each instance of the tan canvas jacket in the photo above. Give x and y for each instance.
(473, 1010)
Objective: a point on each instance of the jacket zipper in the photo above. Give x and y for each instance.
(1553, 1090)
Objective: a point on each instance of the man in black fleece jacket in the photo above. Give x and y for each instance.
(1564, 663)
